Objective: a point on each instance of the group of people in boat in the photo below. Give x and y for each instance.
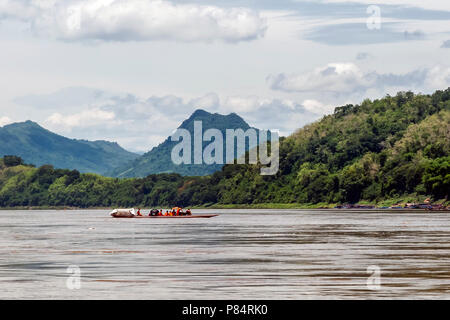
(169, 213)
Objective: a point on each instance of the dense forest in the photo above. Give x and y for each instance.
(397, 148)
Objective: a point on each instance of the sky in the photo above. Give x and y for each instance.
(131, 71)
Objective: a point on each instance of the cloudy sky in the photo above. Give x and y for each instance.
(131, 70)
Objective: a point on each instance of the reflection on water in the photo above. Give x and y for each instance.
(242, 254)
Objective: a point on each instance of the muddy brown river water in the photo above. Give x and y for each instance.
(241, 254)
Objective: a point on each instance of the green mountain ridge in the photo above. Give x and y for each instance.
(158, 160)
(40, 146)
(390, 150)
(383, 149)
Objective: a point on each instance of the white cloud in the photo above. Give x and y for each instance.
(318, 107)
(18, 9)
(438, 77)
(136, 20)
(240, 104)
(85, 118)
(210, 101)
(4, 121)
(334, 77)
(429, 4)
(344, 79)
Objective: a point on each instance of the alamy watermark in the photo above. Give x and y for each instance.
(374, 280)
(235, 147)
(74, 279)
(373, 22)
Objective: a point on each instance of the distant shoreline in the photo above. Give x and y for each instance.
(305, 207)
(229, 206)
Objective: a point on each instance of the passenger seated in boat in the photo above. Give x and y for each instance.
(139, 212)
(188, 212)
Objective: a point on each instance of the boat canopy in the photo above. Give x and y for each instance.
(123, 212)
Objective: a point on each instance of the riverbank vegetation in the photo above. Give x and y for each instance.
(383, 151)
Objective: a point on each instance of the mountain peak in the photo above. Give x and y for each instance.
(27, 123)
(158, 159)
(200, 113)
(214, 120)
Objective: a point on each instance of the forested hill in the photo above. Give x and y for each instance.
(40, 146)
(388, 148)
(158, 160)
(397, 147)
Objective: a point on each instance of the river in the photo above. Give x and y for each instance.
(241, 254)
